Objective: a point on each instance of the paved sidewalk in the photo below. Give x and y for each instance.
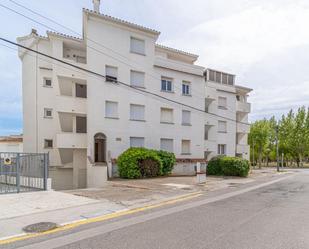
(19, 210)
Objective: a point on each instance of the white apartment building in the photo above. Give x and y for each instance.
(86, 121)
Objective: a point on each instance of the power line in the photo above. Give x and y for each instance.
(121, 83)
(97, 43)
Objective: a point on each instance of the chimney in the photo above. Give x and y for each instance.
(96, 5)
(34, 31)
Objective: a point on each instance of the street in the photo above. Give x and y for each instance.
(273, 214)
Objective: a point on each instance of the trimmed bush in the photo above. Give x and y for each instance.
(214, 167)
(168, 160)
(138, 163)
(228, 166)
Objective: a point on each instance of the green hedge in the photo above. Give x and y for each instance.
(142, 162)
(228, 166)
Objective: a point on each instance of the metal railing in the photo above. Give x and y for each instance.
(23, 172)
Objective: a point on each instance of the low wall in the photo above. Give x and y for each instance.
(25, 181)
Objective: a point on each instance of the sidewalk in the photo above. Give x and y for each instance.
(19, 210)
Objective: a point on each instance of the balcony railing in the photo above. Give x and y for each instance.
(243, 107)
(70, 104)
(242, 148)
(242, 128)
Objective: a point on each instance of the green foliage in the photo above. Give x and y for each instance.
(228, 166)
(138, 163)
(214, 167)
(168, 160)
(142, 162)
(293, 137)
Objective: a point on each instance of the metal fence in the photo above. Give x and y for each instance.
(23, 172)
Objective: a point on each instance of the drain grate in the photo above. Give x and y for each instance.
(40, 227)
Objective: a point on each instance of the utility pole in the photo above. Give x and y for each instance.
(277, 147)
(282, 159)
(253, 153)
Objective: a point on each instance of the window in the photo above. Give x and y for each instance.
(166, 115)
(186, 117)
(230, 80)
(186, 88)
(166, 85)
(137, 142)
(111, 109)
(222, 126)
(218, 77)
(222, 103)
(185, 147)
(137, 46)
(81, 124)
(221, 149)
(81, 90)
(167, 144)
(111, 74)
(224, 78)
(237, 97)
(99, 148)
(47, 82)
(48, 143)
(137, 112)
(137, 79)
(211, 75)
(206, 132)
(48, 113)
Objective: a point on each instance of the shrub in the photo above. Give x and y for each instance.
(168, 160)
(214, 167)
(228, 166)
(138, 163)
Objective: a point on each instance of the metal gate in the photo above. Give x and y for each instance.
(23, 172)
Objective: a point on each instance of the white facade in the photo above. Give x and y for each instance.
(85, 121)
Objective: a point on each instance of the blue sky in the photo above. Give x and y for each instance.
(264, 42)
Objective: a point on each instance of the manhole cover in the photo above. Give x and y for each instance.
(40, 227)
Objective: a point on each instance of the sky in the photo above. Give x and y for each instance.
(264, 42)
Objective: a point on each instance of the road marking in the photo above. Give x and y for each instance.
(116, 214)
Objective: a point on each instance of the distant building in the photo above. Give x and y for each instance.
(12, 143)
(85, 121)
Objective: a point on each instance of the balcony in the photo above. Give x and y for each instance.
(242, 128)
(210, 145)
(69, 104)
(242, 149)
(71, 140)
(243, 107)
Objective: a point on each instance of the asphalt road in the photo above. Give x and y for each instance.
(272, 216)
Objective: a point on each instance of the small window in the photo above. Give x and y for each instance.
(166, 85)
(137, 79)
(167, 144)
(222, 103)
(48, 143)
(224, 78)
(221, 149)
(230, 80)
(186, 88)
(137, 46)
(185, 147)
(111, 74)
(80, 90)
(186, 117)
(81, 124)
(218, 77)
(47, 82)
(206, 132)
(137, 112)
(137, 142)
(167, 115)
(111, 109)
(222, 126)
(211, 75)
(48, 113)
(237, 97)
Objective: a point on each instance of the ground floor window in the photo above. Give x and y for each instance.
(221, 149)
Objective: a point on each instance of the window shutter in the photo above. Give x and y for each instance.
(111, 109)
(137, 112)
(166, 115)
(185, 146)
(137, 142)
(137, 46)
(222, 102)
(137, 79)
(166, 144)
(186, 117)
(111, 71)
(222, 126)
